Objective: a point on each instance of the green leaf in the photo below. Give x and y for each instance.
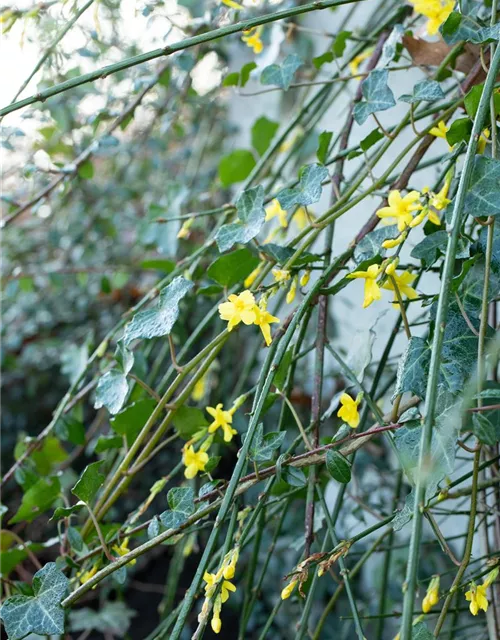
(472, 285)
(37, 499)
(105, 443)
(338, 466)
(421, 632)
(471, 100)
(459, 27)
(131, 420)
(251, 218)
(427, 90)
(324, 58)
(65, 512)
(378, 96)
(181, 503)
(264, 446)
(212, 463)
(245, 72)
(233, 267)
(372, 138)
(282, 75)
(309, 188)
(48, 456)
(294, 477)
(75, 539)
(263, 131)
(485, 431)
(430, 248)
(70, 429)
(459, 130)
(112, 619)
(154, 323)
(86, 170)
(41, 613)
(282, 371)
(413, 368)
(324, 140)
(483, 195)
(236, 166)
(371, 245)
(89, 483)
(231, 80)
(167, 266)
(340, 42)
(188, 421)
(124, 358)
(281, 254)
(111, 391)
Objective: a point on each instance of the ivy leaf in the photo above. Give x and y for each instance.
(281, 254)
(338, 466)
(391, 46)
(421, 632)
(263, 131)
(112, 619)
(188, 421)
(89, 483)
(459, 27)
(234, 79)
(111, 391)
(460, 130)
(42, 613)
(309, 189)
(233, 267)
(37, 499)
(483, 196)
(282, 75)
(324, 140)
(371, 245)
(264, 446)
(181, 503)
(236, 166)
(485, 431)
(251, 218)
(105, 443)
(293, 476)
(124, 358)
(413, 368)
(65, 512)
(428, 90)
(154, 323)
(430, 248)
(372, 138)
(130, 421)
(378, 96)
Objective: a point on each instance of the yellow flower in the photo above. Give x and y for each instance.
(273, 210)
(426, 212)
(403, 282)
(288, 590)
(252, 39)
(290, 296)
(361, 57)
(372, 290)
(232, 4)
(301, 218)
(440, 131)
(239, 308)
(194, 461)
(222, 419)
(436, 12)
(229, 570)
(304, 278)
(481, 145)
(348, 412)
(281, 275)
(432, 596)
(212, 580)
(86, 575)
(264, 319)
(401, 209)
(394, 242)
(184, 230)
(123, 549)
(250, 279)
(391, 267)
(477, 598)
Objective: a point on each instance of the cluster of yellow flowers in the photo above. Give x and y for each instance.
(217, 589)
(243, 308)
(373, 288)
(120, 550)
(442, 129)
(436, 12)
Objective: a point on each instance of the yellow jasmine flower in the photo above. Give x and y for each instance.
(86, 575)
(232, 4)
(426, 212)
(481, 145)
(185, 229)
(194, 461)
(264, 319)
(301, 218)
(432, 596)
(348, 412)
(216, 622)
(477, 598)
(229, 570)
(252, 39)
(273, 210)
(304, 278)
(440, 131)
(222, 419)
(239, 308)
(394, 242)
(252, 277)
(361, 57)
(123, 549)
(391, 267)
(212, 580)
(400, 210)
(403, 282)
(290, 296)
(436, 12)
(372, 290)
(281, 275)
(288, 590)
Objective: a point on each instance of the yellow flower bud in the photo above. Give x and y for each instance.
(394, 242)
(250, 279)
(391, 267)
(216, 625)
(288, 590)
(304, 278)
(290, 296)
(281, 275)
(432, 595)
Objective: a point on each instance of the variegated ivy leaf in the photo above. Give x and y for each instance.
(483, 195)
(181, 503)
(309, 189)
(251, 218)
(281, 75)
(428, 90)
(41, 613)
(111, 391)
(459, 27)
(264, 446)
(157, 322)
(377, 95)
